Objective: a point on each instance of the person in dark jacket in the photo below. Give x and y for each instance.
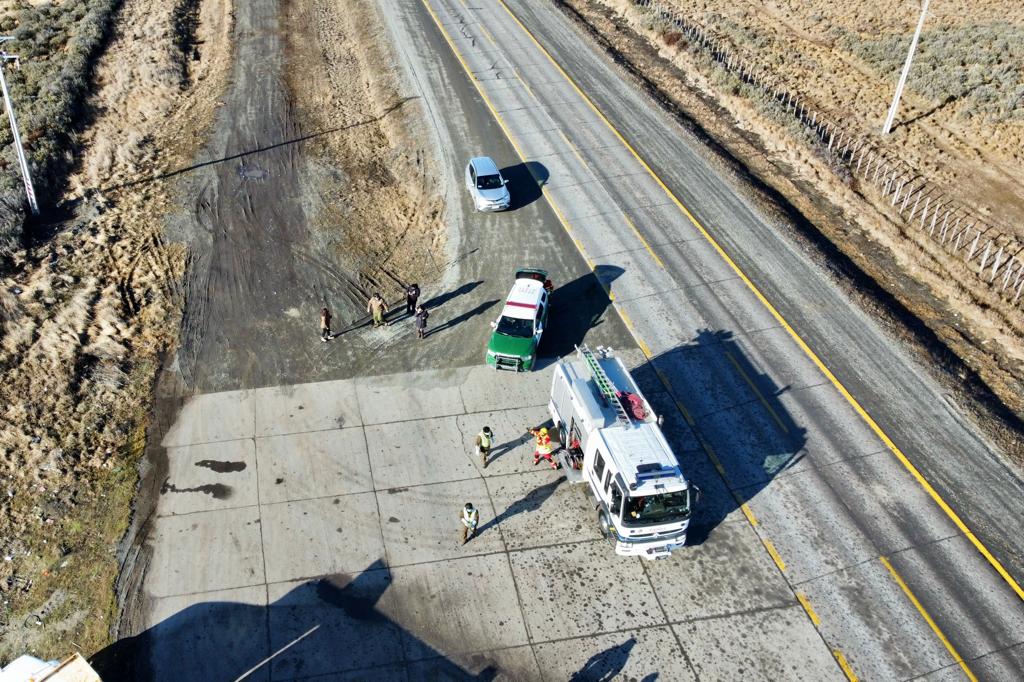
(421, 322)
(412, 295)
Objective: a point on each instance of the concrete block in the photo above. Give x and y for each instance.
(209, 476)
(306, 407)
(404, 397)
(583, 589)
(648, 653)
(224, 633)
(457, 606)
(728, 572)
(314, 464)
(485, 390)
(541, 508)
(213, 417)
(205, 551)
(718, 651)
(513, 447)
(418, 452)
(882, 614)
(422, 524)
(503, 665)
(352, 632)
(812, 531)
(321, 536)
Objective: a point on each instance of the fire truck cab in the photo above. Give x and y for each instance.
(612, 441)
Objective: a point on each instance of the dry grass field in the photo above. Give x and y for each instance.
(962, 119)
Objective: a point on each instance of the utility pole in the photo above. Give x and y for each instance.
(906, 70)
(26, 175)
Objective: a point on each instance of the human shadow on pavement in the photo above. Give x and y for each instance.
(441, 299)
(524, 182)
(605, 665)
(508, 446)
(576, 308)
(321, 627)
(733, 415)
(530, 502)
(458, 319)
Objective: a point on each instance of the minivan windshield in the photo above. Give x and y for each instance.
(488, 182)
(511, 326)
(652, 510)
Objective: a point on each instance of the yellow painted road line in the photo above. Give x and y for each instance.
(847, 670)
(643, 241)
(745, 508)
(804, 602)
(775, 554)
(953, 516)
(928, 619)
(758, 393)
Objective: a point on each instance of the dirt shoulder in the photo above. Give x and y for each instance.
(88, 318)
(974, 349)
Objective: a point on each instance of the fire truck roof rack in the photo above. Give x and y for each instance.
(604, 385)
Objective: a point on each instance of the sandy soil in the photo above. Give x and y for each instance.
(967, 334)
(341, 77)
(86, 320)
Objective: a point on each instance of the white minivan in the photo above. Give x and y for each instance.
(486, 186)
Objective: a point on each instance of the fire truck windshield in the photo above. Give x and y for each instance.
(653, 510)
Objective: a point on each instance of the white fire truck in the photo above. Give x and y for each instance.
(612, 440)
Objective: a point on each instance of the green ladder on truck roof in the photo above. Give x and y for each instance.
(604, 384)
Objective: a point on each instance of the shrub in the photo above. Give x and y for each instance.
(58, 45)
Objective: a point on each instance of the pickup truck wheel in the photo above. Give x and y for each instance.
(604, 524)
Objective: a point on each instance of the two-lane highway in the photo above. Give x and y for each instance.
(885, 568)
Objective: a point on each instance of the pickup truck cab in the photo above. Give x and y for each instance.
(518, 329)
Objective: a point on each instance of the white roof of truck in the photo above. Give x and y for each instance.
(523, 300)
(639, 450)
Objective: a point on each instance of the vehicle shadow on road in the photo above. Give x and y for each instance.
(530, 502)
(576, 308)
(733, 414)
(323, 626)
(524, 182)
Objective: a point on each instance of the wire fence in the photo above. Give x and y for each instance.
(996, 258)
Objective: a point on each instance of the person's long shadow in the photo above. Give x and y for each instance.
(734, 415)
(530, 502)
(576, 308)
(458, 319)
(441, 299)
(321, 627)
(506, 447)
(605, 665)
(524, 182)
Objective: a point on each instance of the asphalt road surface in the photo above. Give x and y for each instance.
(878, 559)
(290, 505)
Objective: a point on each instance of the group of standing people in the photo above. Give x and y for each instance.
(483, 444)
(378, 308)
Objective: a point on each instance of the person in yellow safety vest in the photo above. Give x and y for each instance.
(544, 447)
(470, 517)
(484, 440)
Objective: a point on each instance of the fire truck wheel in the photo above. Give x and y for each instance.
(604, 524)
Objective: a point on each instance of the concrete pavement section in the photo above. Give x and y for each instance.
(259, 538)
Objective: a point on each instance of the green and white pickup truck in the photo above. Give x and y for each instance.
(518, 329)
